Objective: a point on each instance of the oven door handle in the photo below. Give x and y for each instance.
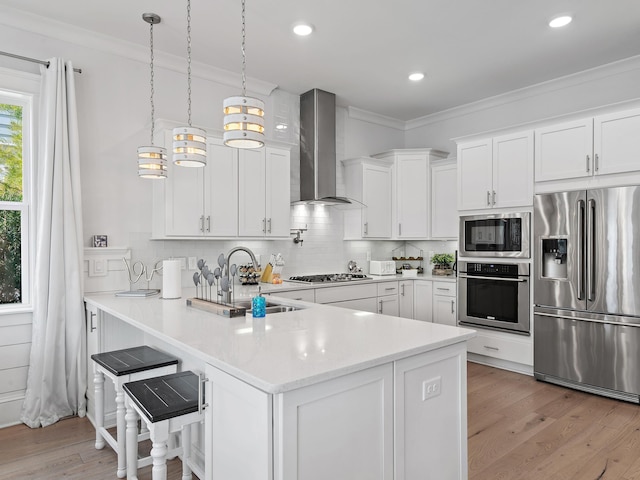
(501, 279)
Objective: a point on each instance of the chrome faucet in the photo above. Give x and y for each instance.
(226, 296)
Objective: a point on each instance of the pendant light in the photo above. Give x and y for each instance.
(189, 143)
(152, 160)
(243, 116)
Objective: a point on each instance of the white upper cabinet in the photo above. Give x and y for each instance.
(600, 145)
(496, 172)
(368, 181)
(263, 193)
(202, 201)
(564, 150)
(411, 194)
(444, 209)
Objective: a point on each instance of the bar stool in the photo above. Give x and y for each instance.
(123, 366)
(168, 405)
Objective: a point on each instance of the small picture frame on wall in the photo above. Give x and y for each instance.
(99, 240)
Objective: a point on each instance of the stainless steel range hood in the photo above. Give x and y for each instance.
(318, 149)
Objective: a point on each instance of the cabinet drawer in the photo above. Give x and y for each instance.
(387, 288)
(516, 349)
(447, 289)
(304, 295)
(346, 292)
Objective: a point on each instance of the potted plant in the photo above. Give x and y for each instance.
(442, 264)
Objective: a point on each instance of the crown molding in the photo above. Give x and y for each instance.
(560, 83)
(375, 118)
(108, 44)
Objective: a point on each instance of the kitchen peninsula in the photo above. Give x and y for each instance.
(319, 392)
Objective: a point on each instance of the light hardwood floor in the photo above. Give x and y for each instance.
(519, 429)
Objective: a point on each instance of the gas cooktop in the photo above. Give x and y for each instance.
(329, 278)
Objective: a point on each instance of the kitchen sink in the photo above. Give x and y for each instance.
(271, 307)
(239, 308)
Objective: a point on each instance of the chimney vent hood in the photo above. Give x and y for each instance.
(318, 149)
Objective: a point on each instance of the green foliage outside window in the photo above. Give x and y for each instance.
(11, 191)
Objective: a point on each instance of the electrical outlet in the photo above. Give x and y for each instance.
(183, 263)
(192, 263)
(431, 388)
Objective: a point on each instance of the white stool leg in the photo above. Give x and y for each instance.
(159, 435)
(132, 442)
(120, 434)
(186, 452)
(98, 388)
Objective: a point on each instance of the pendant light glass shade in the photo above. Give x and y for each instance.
(243, 116)
(243, 122)
(152, 162)
(189, 147)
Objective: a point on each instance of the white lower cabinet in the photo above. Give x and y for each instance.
(93, 346)
(363, 304)
(338, 429)
(405, 298)
(503, 346)
(444, 303)
(422, 300)
(388, 305)
(308, 295)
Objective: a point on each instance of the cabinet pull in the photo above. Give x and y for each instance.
(402, 290)
(494, 197)
(91, 325)
(380, 309)
(208, 223)
(596, 161)
(390, 288)
(491, 348)
(452, 305)
(366, 228)
(399, 229)
(264, 223)
(202, 223)
(488, 197)
(269, 225)
(588, 164)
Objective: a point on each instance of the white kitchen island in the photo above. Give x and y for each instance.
(313, 394)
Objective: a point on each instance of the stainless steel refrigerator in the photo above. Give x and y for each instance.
(587, 290)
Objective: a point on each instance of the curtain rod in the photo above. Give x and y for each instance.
(34, 60)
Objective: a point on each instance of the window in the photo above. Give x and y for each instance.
(15, 196)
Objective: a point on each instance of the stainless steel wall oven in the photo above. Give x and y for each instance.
(495, 296)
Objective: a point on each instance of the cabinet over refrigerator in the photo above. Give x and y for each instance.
(586, 295)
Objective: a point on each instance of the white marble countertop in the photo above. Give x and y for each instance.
(282, 351)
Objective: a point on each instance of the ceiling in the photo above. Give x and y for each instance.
(363, 50)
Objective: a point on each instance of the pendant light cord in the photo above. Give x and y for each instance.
(189, 62)
(153, 108)
(244, 56)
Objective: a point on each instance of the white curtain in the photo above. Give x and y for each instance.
(56, 382)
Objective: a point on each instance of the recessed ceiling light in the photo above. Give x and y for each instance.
(560, 21)
(281, 126)
(302, 29)
(415, 77)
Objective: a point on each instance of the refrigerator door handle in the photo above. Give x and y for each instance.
(580, 262)
(591, 212)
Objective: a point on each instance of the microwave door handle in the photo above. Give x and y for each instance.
(591, 280)
(580, 249)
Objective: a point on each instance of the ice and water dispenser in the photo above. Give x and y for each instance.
(554, 258)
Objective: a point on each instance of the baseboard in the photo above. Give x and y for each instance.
(499, 363)
(10, 410)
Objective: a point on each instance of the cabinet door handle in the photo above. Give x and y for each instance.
(264, 223)
(366, 228)
(202, 223)
(443, 289)
(269, 224)
(389, 288)
(491, 348)
(494, 197)
(380, 309)
(402, 290)
(596, 161)
(399, 229)
(452, 305)
(91, 324)
(208, 223)
(588, 166)
(488, 197)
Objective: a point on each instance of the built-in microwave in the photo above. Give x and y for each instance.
(495, 235)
